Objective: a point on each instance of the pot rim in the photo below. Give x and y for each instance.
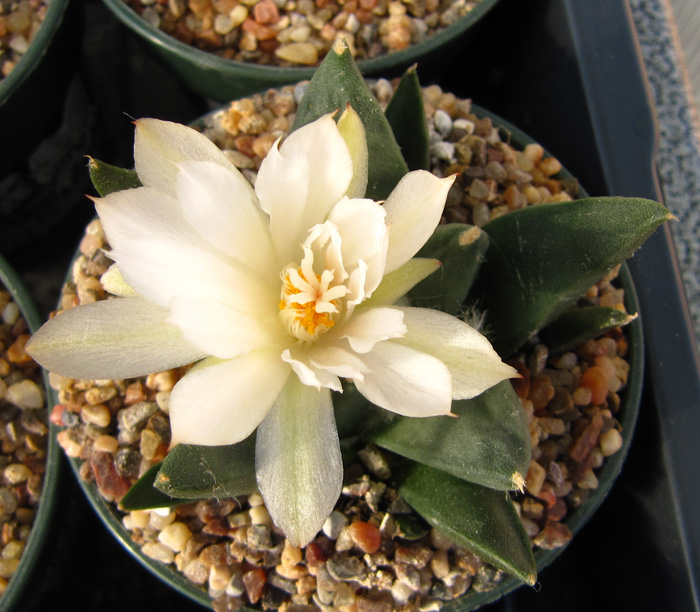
(37, 50)
(212, 62)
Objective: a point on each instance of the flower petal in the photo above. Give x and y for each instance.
(221, 331)
(413, 211)
(160, 256)
(309, 374)
(160, 145)
(473, 363)
(399, 282)
(338, 361)
(369, 326)
(353, 132)
(298, 184)
(222, 207)
(298, 463)
(362, 228)
(117, 338)
(406, 381)
(222, 402)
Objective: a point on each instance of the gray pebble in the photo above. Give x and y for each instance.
(345, 568)
(134, 417)
(259, 537)
(334, 524)
(444, 151)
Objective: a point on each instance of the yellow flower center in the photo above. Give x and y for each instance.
(305, 314)
(309, 303)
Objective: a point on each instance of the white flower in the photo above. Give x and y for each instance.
(277, 292)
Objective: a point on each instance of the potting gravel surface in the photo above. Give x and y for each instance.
(300, 32)
(23, 437)
(373, 553)
(19, 24)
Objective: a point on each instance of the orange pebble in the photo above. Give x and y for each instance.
(16, 352)
(366, 536)
(596, 380)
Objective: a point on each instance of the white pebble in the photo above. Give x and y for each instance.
(610, 442)
(334, 524)
(13, 550)
(161, 518)
(260, 516)
(150, 15)
(15, 473)
(163, 401)
(136, 519)
(589, 480)
(444, 151)
(175, 536)
(238, 15)
(464, 125)
(11, 313)
(401, 592)
(298, 53)
(352, 24)
(19, 44)
(25, 394)
(443, 122)
(300, 34)
(158, 552)
(223, 24)
(255, 499)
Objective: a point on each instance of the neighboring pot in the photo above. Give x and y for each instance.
(627, 416)
(41, 528)
(223, 80)
(28, 94)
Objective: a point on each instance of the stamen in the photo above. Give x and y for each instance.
(307, 303)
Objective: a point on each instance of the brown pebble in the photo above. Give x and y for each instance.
(554, 535)
(254, 581)
(417, 557)
(108, 480)
(266, 12)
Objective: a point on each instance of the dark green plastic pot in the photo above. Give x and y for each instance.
(224, 80)
(575, 520)
(29, 94)
(41, 529)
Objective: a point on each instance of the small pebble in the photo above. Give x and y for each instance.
(335, 524)
(158, 552)
(175, 536)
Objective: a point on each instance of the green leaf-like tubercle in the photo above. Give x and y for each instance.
(143, 495)
(541, 259)
(406, 115)
(578, 325)
(482, 520)
(460, 249)
(201, 472)
(108, 179)
(337, 82)
(488, 443)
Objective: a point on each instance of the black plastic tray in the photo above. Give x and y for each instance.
(566, 72)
